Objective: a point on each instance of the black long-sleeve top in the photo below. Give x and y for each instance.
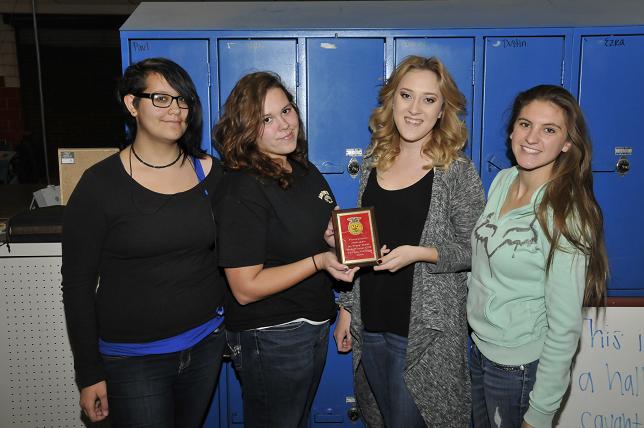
(152, 255)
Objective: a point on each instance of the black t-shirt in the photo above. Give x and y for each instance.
(155, 255)
(385, 297)
(260, 223)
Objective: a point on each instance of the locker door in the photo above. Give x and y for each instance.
(457, 53)
(240, 57)
(611, 90)
(512, 65)
(192, 55)
(343, 79)
(234, 405)
(344, 76)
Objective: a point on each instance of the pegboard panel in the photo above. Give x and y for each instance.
(38, 388)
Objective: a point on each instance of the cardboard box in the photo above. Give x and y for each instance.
(73, 162)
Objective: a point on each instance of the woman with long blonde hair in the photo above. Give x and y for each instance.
(405, 319)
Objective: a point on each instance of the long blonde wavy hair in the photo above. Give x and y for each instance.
(449, 135)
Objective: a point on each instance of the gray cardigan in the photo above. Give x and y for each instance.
(436, 374)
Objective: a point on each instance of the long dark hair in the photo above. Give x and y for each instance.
(134, 81)
(241, 124)
(569, 194)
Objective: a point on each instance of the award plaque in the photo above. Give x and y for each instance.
(356, 236)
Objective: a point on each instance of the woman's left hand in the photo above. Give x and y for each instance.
(526, 425)
(397, 258)
(329, 262)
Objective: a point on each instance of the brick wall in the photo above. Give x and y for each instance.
(11, 123)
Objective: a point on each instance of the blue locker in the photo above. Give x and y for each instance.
(610, 93)
(191, 55)
(512, 64)
(334, 403)
(235, 408)
(457, 53)
(238, 57)
(344, 76)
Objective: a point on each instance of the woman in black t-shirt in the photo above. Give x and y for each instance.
(147, 341)
(407, 315)
(273, 210)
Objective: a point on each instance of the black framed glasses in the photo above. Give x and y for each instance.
(164, 100)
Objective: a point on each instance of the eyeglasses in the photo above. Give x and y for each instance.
(164, 100)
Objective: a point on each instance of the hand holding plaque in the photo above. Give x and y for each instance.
(356, 236)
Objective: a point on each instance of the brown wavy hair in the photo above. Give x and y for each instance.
(569, 194)
(237, 131)
(449, 135)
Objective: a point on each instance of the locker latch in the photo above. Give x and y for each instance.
(623, 166)
(353, 167)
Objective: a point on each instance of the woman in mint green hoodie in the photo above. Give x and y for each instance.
(538, 254)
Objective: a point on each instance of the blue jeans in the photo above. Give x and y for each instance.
(383, 360)
(500, 393)
(280, 370)
(165, 390)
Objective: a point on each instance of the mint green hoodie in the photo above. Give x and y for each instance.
(519, 314)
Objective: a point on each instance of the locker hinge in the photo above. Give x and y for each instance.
(563, 71)
(209, 81)
(473, 72)
(297, 74)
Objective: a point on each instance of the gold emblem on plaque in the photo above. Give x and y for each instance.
(355, 227)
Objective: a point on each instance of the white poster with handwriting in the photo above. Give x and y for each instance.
(607, 383)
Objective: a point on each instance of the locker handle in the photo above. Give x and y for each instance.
(328, 418)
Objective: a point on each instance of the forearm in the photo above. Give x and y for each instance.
(80, 315)
(84, 231)
(425, 254)
(252, 283)
(564, 295)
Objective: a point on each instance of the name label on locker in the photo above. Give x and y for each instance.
(612, 43)
(623, 151)
(510, 43)
(140, 46)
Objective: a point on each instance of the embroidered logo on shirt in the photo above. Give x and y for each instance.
(325, 196)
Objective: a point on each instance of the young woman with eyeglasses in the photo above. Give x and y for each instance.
(147, 341)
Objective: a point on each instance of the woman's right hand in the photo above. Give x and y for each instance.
(342, 332)
(329, 262)
(93, 401)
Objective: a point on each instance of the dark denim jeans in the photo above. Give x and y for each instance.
(383, 360)
(500, 393)
(165, 390)
(280, 370)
